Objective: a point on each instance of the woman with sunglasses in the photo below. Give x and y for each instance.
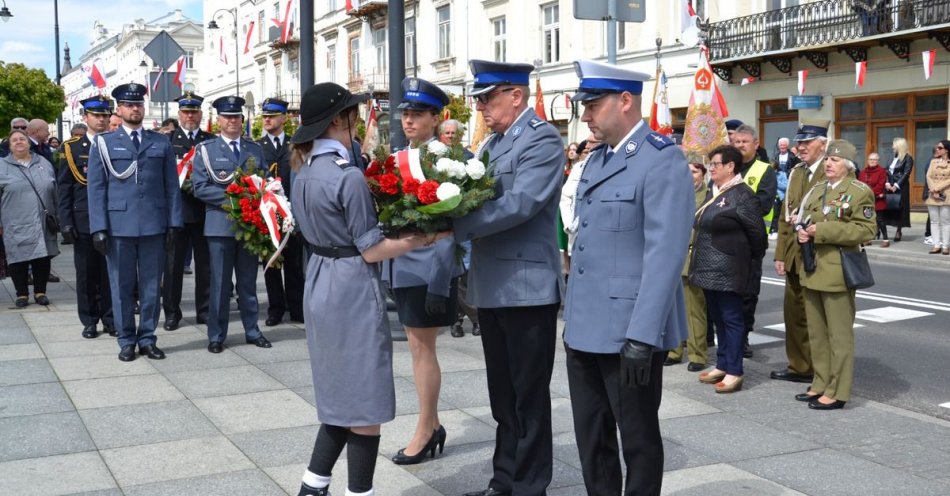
(938, 203)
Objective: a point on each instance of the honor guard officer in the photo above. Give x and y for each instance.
(624, 296)
(184, 141)
(284, 285)
(93, 298)
(134, 211)
(514, 276)
(215, 164)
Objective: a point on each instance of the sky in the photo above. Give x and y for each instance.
(28, 37)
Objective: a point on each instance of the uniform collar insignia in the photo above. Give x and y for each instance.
(631, 147)
(516, 131)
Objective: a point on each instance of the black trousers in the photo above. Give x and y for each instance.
(601, 405)
(285, 285)
(751, 301)
(175, 271)
(93, 295)
(20, 274)
(519, 358)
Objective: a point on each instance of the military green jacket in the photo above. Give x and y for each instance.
(844, 218)
(787, 249)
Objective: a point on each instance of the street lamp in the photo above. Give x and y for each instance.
(237, 64)
(5, 12)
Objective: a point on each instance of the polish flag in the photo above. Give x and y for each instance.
(95, 74)
(161, 70)
(349, 6)
(747, 80)
(181, 69)
(247, 41)
(705, 89)
(860, 69)
(372, 129)
(286, 26)
(802, 76)
(222, 55)
(929, 57)
(688, 18)
(661, 120)
(539, 101)
(705, 126)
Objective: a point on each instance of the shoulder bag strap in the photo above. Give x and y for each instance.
(20, 168)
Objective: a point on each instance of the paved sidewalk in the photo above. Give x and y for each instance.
(75, 420)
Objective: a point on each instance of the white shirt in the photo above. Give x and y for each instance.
(281, 137)
(814, 167)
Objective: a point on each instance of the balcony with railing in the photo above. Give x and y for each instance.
(828, 24)
(375, 83)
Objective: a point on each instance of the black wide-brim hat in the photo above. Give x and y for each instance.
(319, 105)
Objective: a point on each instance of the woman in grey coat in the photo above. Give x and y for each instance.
(344, 307)
(27, 191)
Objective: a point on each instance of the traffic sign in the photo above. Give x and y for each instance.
(596, 10)
(164, 50)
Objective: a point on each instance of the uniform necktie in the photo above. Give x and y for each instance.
(234, 148)
(191, 137)
(135, 140)
(277, 142)
(608, 156)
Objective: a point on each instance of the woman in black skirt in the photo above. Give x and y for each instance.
(898, 181)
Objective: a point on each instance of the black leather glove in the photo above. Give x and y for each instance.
(100, 241)
(635, 363)
(435, 304)
(69, 234)
(188, 187)
(170, 236)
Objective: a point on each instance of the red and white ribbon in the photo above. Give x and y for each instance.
(409, 164)
(273, 203)
(860, 69)
(185, 165)
(802, 76)
(929, 57)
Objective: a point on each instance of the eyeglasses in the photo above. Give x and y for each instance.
(21, 128)
(713, 165)
(484, 98)
(938, 147)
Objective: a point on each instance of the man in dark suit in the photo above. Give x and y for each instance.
(38, 131)
(284, 284)
(93, 296)
(184, 140)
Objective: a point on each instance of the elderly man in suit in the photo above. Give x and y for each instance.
(134, 211)
(216, 161)
(625, 305)
(514, 279)
(184, 141)
(284, 284)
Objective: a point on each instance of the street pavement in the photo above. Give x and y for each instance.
(76, 420)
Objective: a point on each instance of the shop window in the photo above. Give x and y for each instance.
(855, 109)
(926, 104)
(889, 107)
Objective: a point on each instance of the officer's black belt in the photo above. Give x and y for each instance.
(335, 251)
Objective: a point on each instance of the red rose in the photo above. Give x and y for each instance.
(234, 189)
(390, 163)
(410, 186)
(250, 185)
(373, 169)
(426, 192)
(389, 184)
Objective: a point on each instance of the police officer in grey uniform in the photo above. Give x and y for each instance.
(625, 305)
(215, 163)
(93, 297)
(134, 211)
(515, 275)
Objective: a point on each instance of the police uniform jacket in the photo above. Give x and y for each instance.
(193, 209)
(786, 248)
(71, 180)
(215, 157)
(635, 213)
(146, 203)
(277, 160)
(515, 259)
(844, 218)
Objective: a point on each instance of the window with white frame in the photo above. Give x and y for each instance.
(621, 36)
(331, 61)
(331, 5)
(355, 57)
(190, 59)
(550, 26)
(500, 38)
(444, 19)
(410, 42)
(260, 27)
(379, 43)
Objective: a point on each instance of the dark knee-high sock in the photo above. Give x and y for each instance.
(326, 450)
(361, 454)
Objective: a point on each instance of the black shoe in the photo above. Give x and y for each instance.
(746, 350)
(201, 319)
(807, 397)
(215, 347)
(260, 342)
(41, 299)
(487, 492)
(89, 332)
(440, 435)
(306, 490)
(272, 321)
(128, 353)
(671, 361)
(457, 330)
(402, 458)
(53, 278)
(152, 352)
(110, 330)
(788, 375)
(22, 301)
(817, 405)
(710, 344)
(695, 366)
(476, 331)
(172, 324)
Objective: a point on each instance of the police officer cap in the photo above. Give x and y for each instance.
(809, 129)
(130, 92)
(733, 124)
(599, 79)
(319, 105)
(98, 104)
(419, 94)
(842, 148)
(489, 75)
(274, 106)
(229, 105)
(190, 101)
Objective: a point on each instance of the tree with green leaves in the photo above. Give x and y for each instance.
(458, 110)
(28, 93)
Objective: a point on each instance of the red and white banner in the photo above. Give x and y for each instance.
(222, 55)
(372, 129)
(247, 41)
(185, 165)
(860, 69)
(349, 6)
(705, 88)
(161, 70)
(409, 164)
(286, 25)
(95, 73)
(802, 76)
(929, 57)
(181, 67)
(747, 80)
(661, 120)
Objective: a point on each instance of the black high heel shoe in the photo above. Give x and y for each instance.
(440, 437)
(402, 458)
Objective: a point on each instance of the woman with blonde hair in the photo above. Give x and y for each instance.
(898, 181)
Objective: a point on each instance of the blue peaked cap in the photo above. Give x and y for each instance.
(489, 75)
(274, 106)
(598, 79)
(229, 105)
(189, 100)
(98, 104)
(419, 94)
(130, 92)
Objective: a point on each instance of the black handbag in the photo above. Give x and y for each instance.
(856, 268)
(52, 223)
(893, 201)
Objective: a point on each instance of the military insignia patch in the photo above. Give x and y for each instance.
(222, 174)
(414, 84)
(631, 147)
(868, 212)
(516, 131)
(751, 180)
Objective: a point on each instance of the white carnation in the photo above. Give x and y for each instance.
(436, 147)
(446, 191)
(444, 165)
(457, 170)
(475, 168)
